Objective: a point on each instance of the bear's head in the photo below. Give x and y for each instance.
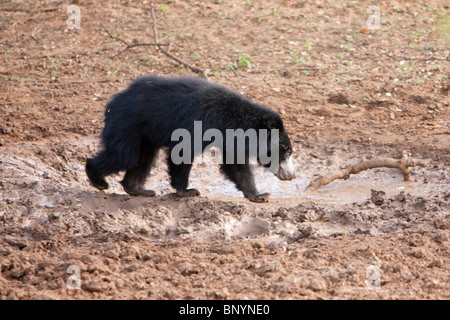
(279, 149)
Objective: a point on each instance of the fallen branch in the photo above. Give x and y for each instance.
(403, 164)
(131, 45)
(202, 73)
(28, 10)
(157, 44)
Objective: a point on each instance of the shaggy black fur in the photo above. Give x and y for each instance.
(140, 120)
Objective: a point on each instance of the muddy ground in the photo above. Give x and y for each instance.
(345, 91)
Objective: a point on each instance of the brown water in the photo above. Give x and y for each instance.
(208, 180)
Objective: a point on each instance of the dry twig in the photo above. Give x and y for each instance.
(129, 45)
(49, 9)
(403, 164)
(202, 73)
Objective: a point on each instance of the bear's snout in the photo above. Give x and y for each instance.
(286, 170)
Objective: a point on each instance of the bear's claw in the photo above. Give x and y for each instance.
(188, 193)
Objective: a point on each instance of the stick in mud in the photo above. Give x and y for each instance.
(404, 163)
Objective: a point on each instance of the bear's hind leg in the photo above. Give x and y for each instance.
(242, 176)
(99, 167)
(134, 179)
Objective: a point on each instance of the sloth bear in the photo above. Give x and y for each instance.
(145, 117)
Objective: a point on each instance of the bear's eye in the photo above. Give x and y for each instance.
(286, 150)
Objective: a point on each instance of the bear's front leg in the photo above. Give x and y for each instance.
(260, 198)
(141, 192)
(242, 176)
(188, 193)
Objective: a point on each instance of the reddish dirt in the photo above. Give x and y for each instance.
(344, 92)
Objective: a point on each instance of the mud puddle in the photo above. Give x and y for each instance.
(211, 183)
(38, 170)
(357, 188)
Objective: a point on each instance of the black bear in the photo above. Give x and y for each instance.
(143, 119)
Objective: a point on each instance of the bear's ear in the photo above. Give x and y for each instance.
(270, 123)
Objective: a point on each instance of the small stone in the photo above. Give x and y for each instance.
(187, 270)
(93, 285)
(377, 197)
(338, 98)
(282, 213)
(436, 263)
(225, 249)
(317, 284)
(53, 216)
(440, 224)
(418, 253)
